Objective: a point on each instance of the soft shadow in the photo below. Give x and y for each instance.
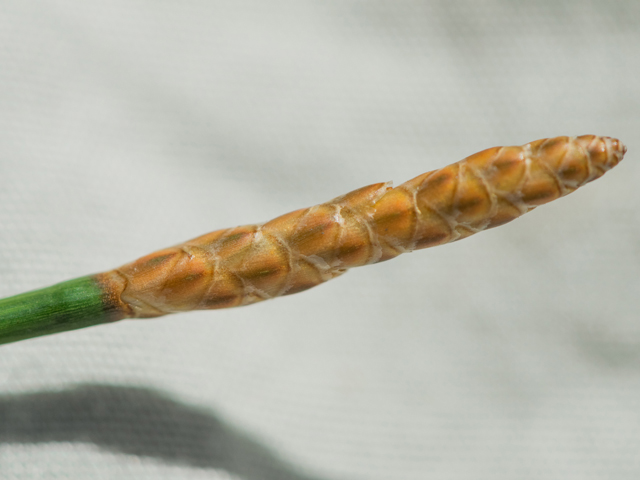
(143, 422)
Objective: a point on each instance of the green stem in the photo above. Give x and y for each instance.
(70, 305)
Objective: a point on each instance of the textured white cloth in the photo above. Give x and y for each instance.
(129, 126)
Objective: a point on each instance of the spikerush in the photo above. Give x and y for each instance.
(301, 249)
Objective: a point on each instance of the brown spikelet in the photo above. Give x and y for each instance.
(302, 249)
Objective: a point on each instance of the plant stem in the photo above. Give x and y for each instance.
(69, 305)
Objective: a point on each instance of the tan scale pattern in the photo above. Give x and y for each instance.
(302, 249)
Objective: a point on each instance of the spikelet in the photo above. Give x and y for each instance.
(304, 248)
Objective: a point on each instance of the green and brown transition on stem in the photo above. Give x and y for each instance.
(69, 305)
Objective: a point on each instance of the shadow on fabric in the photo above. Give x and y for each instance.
(143, 422)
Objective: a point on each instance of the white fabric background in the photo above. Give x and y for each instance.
(129, 126)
